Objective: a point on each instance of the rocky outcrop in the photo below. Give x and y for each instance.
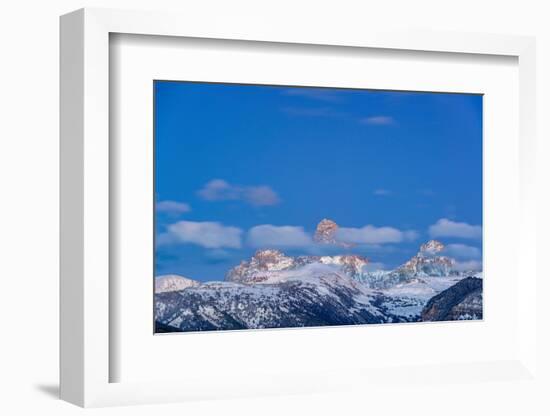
(325, 233)
(432, 247)
(464, 300)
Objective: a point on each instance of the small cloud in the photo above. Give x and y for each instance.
(318, 94)
(377, 120)
(260, 195)
(173, 207)
(462, 251)
(268, 235)
(448, 228)
(370, 234)
(205, 234)
(220, 190)
(382, 192)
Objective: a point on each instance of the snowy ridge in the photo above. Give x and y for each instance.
(173, 282)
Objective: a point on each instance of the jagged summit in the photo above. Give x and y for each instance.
(270, 260)
(325, 233)
(259, 267)
(268, 265)
(428, 262)
(432, 247)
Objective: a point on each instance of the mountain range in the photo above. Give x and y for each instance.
(274, 290)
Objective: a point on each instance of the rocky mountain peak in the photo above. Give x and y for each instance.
(428, 262)
(268, 265)
(260, 266)
(326, 232)
(432, 247)
(270, 259)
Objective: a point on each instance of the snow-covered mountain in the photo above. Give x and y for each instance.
(315, 295)
(274, 290)
(428, 262)
(267, 265)
(173, 283)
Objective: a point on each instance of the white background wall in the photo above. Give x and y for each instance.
(29, 207)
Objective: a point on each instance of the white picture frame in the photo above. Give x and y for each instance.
(86, 355)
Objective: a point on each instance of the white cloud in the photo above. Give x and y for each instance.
(462, 251)
(205, 234)
(260, 195)
(448, 228)
(173, 207)
(220, 190)
(268, 235)
(377, 120)
(470, 265)
(370, 234)
(382, 192)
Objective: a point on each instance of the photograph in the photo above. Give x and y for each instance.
(292, 206)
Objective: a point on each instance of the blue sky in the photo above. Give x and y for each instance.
(242, 167)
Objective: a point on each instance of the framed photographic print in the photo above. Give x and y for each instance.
(265, 211)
